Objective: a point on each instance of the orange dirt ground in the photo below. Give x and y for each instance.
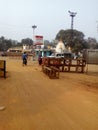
(34, 102)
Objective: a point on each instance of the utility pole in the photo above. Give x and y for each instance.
(34, 27)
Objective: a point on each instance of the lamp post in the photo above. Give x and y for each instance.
(72, 15)
(34, 27)
(97, 26)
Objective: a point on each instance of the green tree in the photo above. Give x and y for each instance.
(27, 41)
(72, 38)
(5, 44)
(97, 46)
(92, 43)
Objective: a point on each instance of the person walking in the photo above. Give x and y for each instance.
(40, 59)
(24, 58)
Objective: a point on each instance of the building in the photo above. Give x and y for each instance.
(91, 56)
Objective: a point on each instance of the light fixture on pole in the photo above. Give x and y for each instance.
(34, 27)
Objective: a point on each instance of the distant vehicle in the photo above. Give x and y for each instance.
(62, 55)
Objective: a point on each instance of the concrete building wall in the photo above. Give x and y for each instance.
(91, 56)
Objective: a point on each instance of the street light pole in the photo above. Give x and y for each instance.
(72, 15)
(34, 27)
(97, 26)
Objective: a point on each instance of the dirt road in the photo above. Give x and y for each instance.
(35, 102)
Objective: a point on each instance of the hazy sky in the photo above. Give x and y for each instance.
(50, 16)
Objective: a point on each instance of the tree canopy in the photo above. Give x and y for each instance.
(5, 44)
(27, 41)
(72, 38)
